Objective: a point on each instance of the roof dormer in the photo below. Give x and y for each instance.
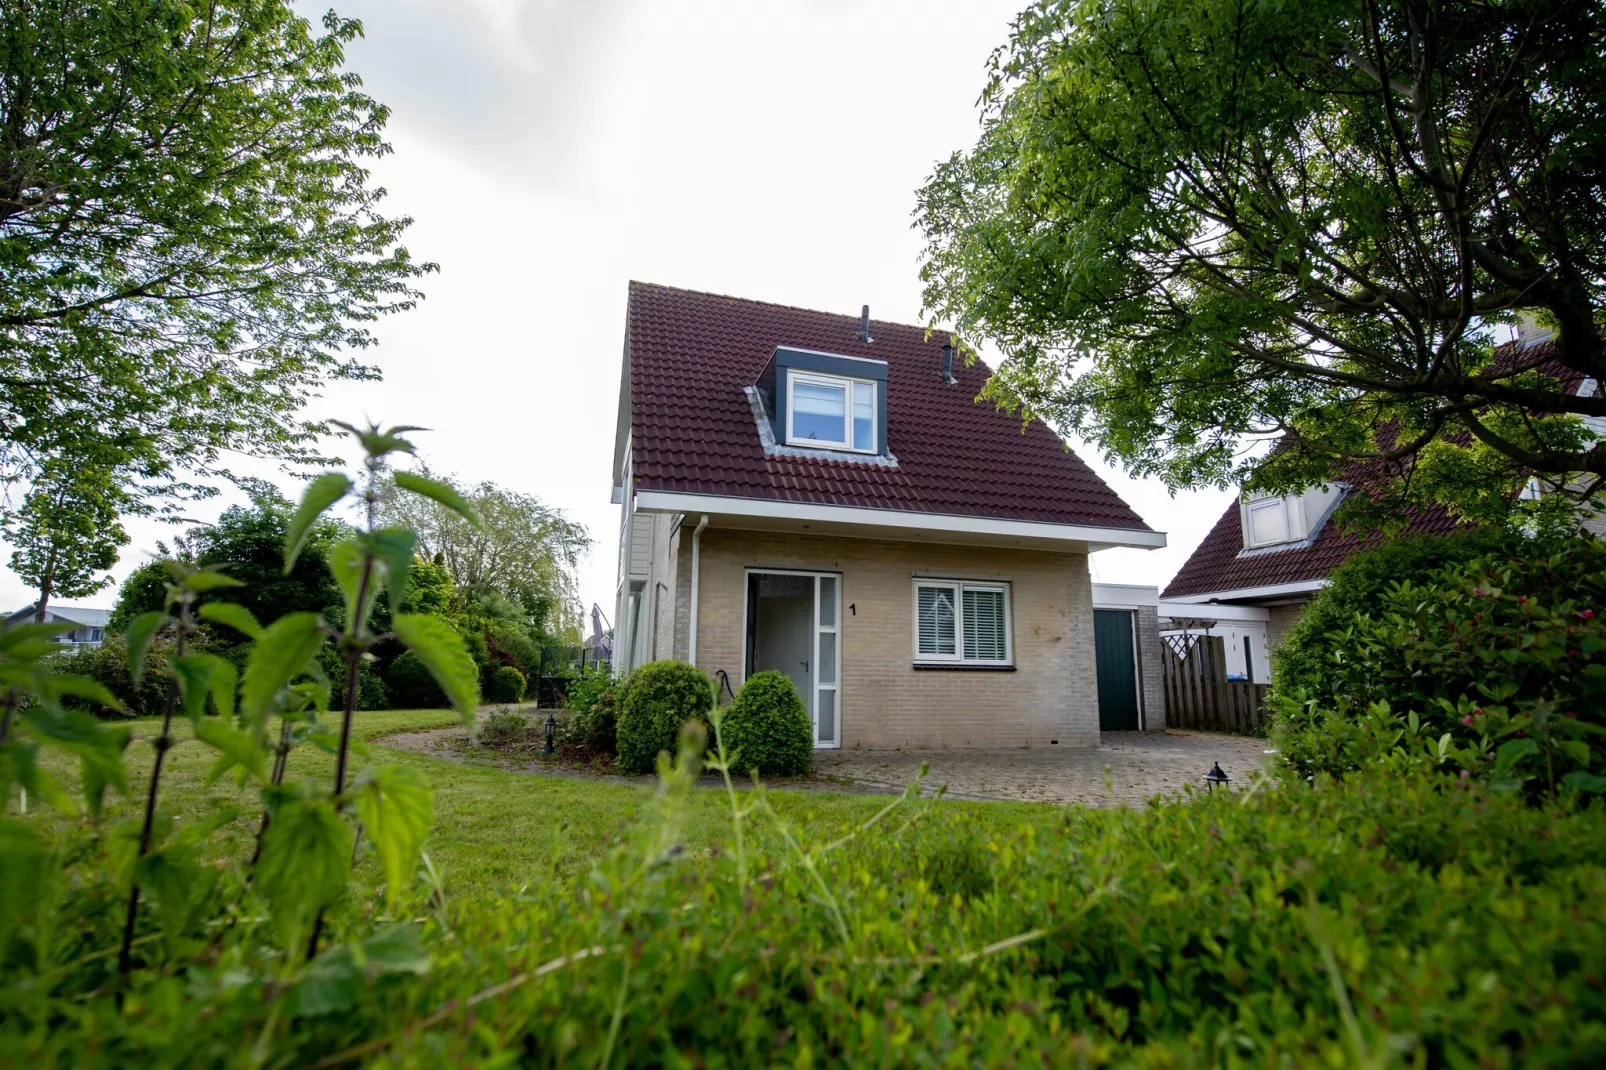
(1283, 521)
(824, 401)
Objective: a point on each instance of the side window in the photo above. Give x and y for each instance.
(830, 412)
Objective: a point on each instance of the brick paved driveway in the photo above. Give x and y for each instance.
(1140, 766)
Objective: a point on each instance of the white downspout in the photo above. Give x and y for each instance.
(691, 632)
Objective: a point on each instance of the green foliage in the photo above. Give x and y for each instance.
(1300, 661)
(767, 727)
(520, 551)
(435, 643)
(108, 666)
(249, 542)
(410, 685)
(503, 730)
(657, 700)
(1494, 667)
(593, 697)
(397, 807)
(68, 531)
(235, 255)
(1182, 226)
(507, 685)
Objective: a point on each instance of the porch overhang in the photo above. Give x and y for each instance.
(760, 514)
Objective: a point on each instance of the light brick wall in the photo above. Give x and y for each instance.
(1150, 671)
(886, 703)
(1282, 618)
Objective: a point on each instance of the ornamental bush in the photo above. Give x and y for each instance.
(411, 686)
(506, 685)
(1495, 667)
(1300, 661)
(767, 727)
(657, 700)
(593, 698)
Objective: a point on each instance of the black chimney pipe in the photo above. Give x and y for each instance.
(948, 362)
(864, 325)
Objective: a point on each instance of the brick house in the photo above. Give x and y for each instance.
(820, 494)
(1270, 555)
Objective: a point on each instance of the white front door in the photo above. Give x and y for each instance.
(793, 620)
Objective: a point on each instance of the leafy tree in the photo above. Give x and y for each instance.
(249, 542)
(520, 562)
(190, 244)
(67, 533)
(1187, 223)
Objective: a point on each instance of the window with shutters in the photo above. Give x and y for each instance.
(964, 623)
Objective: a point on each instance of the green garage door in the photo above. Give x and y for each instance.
(1118, 677)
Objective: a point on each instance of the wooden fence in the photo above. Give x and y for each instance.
(1199, 695)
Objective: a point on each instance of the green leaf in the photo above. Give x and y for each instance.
(137, 640)
(394, 549)
(99, 747)
(440, 492)
(209, 578)
(225, 683)
(1511, 752)
(30, 642)
(321, 493)
(194, 675)
(345, 561)
(55, 686)
(306, 857)
(380, 442)
(1593, 783)
(277, 658)
(233, 615)
(180, 887)
(22, 868)
(333, 981)
(441, 649)
(234, 747)
(397, 807)
(19, 765)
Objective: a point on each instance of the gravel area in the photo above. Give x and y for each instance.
(1126, 768)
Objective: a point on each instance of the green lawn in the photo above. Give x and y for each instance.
(494, 829)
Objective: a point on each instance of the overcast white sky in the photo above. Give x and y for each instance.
(551, 151)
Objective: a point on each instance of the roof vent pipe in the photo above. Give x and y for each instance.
(948, 362)
(864, 325)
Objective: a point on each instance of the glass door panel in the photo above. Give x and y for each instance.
(826, 683)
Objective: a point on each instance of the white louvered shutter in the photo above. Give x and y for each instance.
(984, 625)
(935, 612)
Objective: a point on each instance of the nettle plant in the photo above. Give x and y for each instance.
(308, 832)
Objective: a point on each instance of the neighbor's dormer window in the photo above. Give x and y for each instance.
(831, 412)
(1268, 522)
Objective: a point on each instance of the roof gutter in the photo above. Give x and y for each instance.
(691, 632)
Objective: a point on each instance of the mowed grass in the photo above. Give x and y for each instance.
(495, 830)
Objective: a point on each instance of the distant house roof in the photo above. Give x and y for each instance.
(691, 355)
(92, 618)
(1219, 564)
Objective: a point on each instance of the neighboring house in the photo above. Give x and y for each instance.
(821, 495)
(1270, 555)
(89, 624)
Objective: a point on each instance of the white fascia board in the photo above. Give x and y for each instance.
(1172, 609)
(658, 501)
(1271, 591)
(1124, 596)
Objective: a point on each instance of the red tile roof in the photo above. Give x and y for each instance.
(1217, 567)
(692, 354)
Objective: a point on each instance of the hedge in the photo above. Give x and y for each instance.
(658, 699)
(767, 727)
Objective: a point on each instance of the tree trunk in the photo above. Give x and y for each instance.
(44, 600)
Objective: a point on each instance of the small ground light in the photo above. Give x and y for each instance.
(551, 733)
(1216, 776)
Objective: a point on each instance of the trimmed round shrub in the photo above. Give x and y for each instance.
(411, 686)
(507, 685)
(658, 699)
(1301, 660)
(768, 727)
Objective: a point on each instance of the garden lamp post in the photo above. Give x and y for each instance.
(551, 733)
(1216, 776)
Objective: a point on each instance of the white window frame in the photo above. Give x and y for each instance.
(959, 587)
(846, 385)
(1290, 529)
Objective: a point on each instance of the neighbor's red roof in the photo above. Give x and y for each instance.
(1216, 565)
(691, 354)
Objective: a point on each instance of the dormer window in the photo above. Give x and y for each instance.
(1268, 522)
(830, 412)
